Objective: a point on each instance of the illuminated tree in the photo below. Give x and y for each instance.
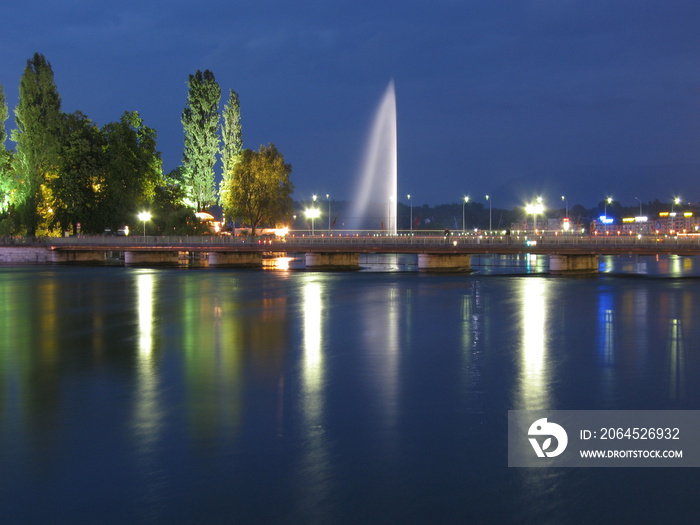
(232, 138)
(6, 179)
(38, 119)
(260, 190)
(200, 120)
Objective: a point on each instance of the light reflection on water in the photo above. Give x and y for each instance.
(321, 397)
(534, 380)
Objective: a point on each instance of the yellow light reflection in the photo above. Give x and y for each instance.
(312, 343)
(145, 312)
(534, 388)
(315, 458)
(147, 411)
(277, 263)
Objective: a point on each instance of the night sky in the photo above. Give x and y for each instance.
(513, 99)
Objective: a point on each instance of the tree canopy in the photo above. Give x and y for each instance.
(232, 139)
(6, 179)
(38, 119)
(260, 189)
(200, 120)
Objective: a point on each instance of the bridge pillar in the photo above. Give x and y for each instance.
(58, 256)
(444, 262)
(236, 259)
(151, 257)
(332, 261)
(568, 264)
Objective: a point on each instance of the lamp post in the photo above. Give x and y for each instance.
(676, 200)
(312, 214)
(563, 197)
(490, 209)
(144, 216)
(328, 198)
(466, 200)
(389, 215)
(640, 205)
(605, 206)
(534, 209)
(410, 205)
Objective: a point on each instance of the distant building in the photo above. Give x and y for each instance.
(667, 223)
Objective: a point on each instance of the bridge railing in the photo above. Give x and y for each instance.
(540, 241)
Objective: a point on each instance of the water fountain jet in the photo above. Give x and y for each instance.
(376, 201)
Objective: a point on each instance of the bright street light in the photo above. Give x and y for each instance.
(676, 200)
(563, 197)
(535, 209)
(410, 226)
(490, 208)
(466, 200)
(312, 213)
(144, 216)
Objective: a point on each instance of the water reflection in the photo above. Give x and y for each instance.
(676, 360)
(312, 329)
(380, 330)
(606, 320)
(534, 386)
(315, 461)
(147, 411)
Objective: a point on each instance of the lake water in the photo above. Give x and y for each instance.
(145, 395)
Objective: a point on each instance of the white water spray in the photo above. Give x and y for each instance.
(376, 201)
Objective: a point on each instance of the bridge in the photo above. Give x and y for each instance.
(568, 253)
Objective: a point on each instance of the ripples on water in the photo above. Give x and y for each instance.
(168, 395)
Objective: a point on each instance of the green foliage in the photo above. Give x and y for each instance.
(133, 170)
(38, 119)
(6, 178)
(260, 190)
(232, 138)
(80, 177)
(170, 215)
(200, 120)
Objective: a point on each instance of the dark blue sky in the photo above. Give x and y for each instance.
(583, 98)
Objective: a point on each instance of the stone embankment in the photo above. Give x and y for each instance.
(25, 254)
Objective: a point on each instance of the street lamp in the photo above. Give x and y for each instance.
(328, 198)
(410, 226)
(312, 213)
(563, 197)
(144, 216)
(390, 216)
(490, 209)
(605, 206)
(534, 209)
(466, 200)
(640, 205)
(676, 200)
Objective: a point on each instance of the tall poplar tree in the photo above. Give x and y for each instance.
(200, 120)
(232, 138)
(38, 121)
(5, 157)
